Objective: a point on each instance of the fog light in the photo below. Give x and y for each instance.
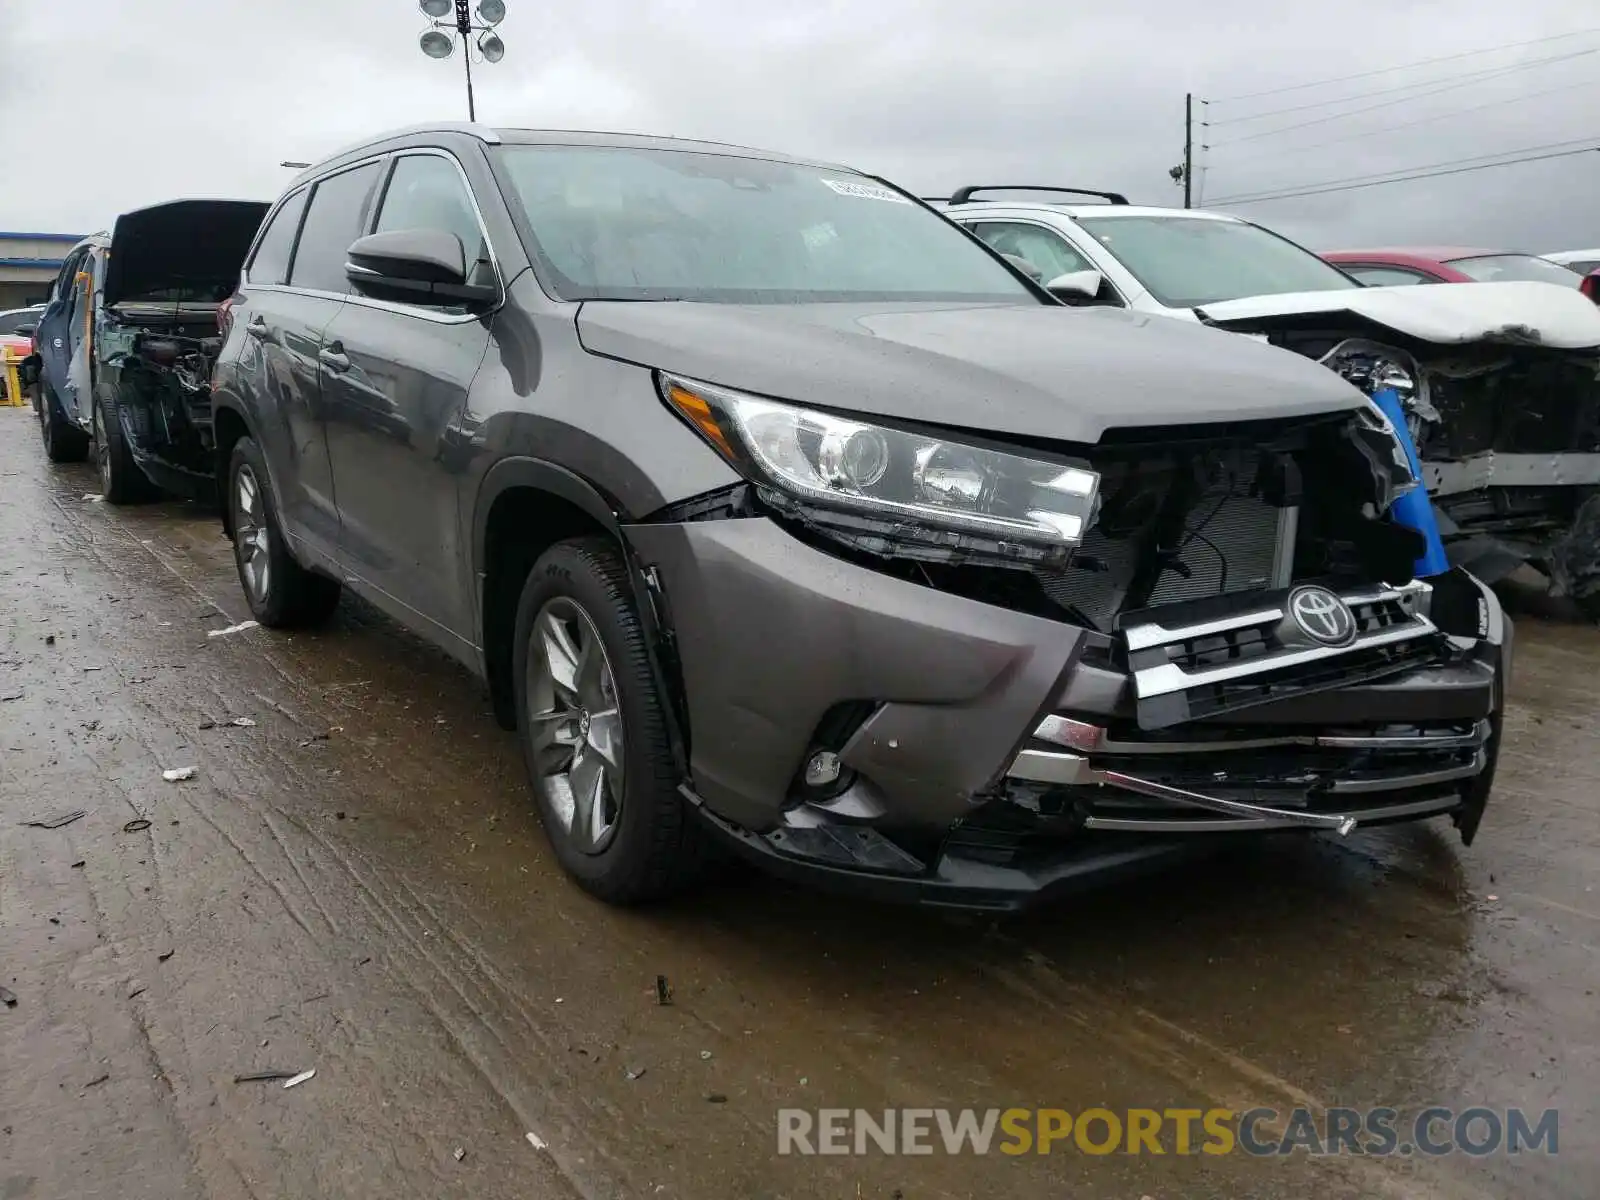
(822, 769)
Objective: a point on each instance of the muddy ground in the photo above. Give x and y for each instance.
(357, 884)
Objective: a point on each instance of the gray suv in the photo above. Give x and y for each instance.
(782, 516)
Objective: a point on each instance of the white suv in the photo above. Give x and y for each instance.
(1163, 260)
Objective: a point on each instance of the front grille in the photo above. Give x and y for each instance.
(1208, 658)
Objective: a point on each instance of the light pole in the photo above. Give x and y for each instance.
(452, 19)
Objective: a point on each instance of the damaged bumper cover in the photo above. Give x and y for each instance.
(874, 734)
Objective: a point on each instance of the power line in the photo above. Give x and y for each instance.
(1416, 173)
(1447, 87)
(1460, 112)
(1451, 81)
(1421, 62)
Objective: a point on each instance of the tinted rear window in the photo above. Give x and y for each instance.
(337, 217)
(271, 261)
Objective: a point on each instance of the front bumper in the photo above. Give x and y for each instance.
(989, 757)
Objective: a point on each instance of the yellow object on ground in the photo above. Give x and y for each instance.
(9, 362)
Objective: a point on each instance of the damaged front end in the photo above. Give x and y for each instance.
(1232, 644)
(1505, 418)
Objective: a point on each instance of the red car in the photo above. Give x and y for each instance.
(1393, 266)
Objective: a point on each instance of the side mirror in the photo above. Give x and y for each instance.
(27, 330)
(1076, 287)
(1590, 286)
(1026, 267)
(413, 266)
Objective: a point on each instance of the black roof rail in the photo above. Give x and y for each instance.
(963, 195)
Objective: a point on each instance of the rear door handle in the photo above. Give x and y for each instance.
(333, 357)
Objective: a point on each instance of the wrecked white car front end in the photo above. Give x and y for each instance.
(1501, 385)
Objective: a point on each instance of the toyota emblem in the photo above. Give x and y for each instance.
(1322, 616)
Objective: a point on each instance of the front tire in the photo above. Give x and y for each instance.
(281, 593)
(121, 480)
(63, 441)
(594, 730)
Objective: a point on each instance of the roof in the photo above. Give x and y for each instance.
(395, 138)
(1560, 256)
(14, 236)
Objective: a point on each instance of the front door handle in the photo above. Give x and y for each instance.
(333, 357)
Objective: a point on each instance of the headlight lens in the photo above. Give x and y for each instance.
(847, 464)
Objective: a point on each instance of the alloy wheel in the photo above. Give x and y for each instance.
(250, 533)
(576, 725)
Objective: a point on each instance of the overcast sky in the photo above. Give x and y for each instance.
(113, 104)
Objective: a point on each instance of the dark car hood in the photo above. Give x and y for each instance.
(186, 243)
(1032, 371)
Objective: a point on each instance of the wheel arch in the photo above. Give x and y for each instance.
(525, 506)
(228, 425)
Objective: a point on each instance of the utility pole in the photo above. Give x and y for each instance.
(1188, 149)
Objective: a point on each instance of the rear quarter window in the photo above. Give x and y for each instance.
(270, 263)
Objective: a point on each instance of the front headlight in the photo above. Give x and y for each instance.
(853, 466)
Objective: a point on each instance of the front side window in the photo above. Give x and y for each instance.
(1519, 268)
(1190, 261)
(10, 322)
(426, 191)
(271, 261)
(1043, 249)
(645, 224)
(1386, 276)
(337, 217)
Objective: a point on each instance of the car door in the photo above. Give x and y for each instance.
(395, 381)
(61, 327)
(294, 285)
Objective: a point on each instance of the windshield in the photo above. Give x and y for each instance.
(615, 223)
(1525, 268)
(1189, 261)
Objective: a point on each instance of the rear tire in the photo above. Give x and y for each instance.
(121, 480)
(579, 649)
(281, 593)
(63, 441)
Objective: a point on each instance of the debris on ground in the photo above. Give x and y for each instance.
(162, 957)
(97, 1081)
(138, 991)
(458, 1154)
(137, 825)
(635, 1072)
(50, 640)
(179, 774)
(9, 999)
(243, 722)
(299, 1079)
(663, 990)
(207, 725)
(264, 1076)
(716, 1098)
(322, 735)
(79, 864)
(536, 1141)
(58, 820)
(92, 498)
(239, 628)
(705, 1055)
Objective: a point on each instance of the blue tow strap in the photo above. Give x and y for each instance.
(1414, 510)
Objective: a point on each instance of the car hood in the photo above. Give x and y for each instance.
(197, 244)
(1443, 314)
(1025, 370)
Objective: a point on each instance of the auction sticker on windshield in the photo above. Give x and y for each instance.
(864, 191)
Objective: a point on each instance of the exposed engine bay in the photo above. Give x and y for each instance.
(154, 360)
